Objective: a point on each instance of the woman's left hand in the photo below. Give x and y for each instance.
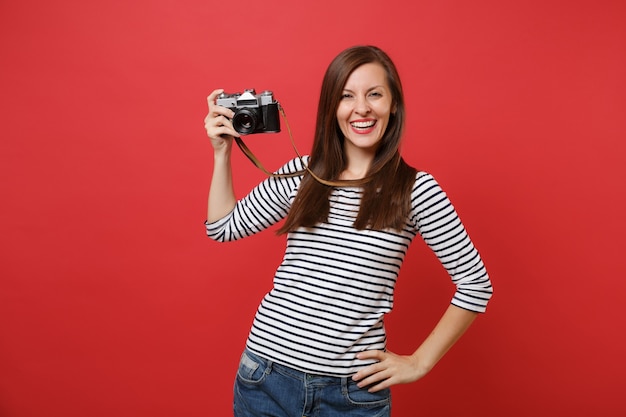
(391, 369)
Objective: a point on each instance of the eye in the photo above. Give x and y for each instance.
(346, 95)
(376, 94)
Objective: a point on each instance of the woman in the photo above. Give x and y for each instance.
(318, 343)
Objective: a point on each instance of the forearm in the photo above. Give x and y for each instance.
(220, 131)
(392, 369)
(221, 194)
(448, 330)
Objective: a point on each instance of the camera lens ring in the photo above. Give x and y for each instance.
(245, 121)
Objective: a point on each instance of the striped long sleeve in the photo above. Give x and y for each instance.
(439, 225)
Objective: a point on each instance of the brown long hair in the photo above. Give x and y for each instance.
(385, 202)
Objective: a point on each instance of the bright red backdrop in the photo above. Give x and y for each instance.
(114, 303)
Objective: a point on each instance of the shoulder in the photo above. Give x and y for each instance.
(294, 165)
(426, 187)
(423, 178)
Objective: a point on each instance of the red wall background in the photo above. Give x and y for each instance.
(114, 303)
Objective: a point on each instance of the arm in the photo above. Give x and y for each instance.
(441, 228)
(221, 193)
(220, 130)
(392, 369)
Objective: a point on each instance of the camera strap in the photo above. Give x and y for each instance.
(340, 183)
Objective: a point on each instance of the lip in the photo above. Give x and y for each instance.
(360, 130)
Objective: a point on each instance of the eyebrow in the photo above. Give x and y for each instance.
(369, 89)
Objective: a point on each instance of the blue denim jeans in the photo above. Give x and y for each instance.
(264, 388)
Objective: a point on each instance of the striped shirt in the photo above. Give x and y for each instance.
(335, 283)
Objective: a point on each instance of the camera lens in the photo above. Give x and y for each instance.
(244, 121)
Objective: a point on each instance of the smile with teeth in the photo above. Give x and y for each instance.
(363, 124)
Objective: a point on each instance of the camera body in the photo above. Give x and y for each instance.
(254, 113)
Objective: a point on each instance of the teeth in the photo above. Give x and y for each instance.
(363, 125)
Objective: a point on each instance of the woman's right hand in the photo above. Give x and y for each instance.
(218, 124)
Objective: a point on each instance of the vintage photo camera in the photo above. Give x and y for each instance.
(254, 113)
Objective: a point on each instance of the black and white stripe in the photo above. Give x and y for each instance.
(336, 283)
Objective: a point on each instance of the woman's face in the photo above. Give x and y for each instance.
(364, 109)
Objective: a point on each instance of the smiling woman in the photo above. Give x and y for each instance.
(319, 332)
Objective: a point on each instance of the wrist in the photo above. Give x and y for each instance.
(222, 155)
(422, 363)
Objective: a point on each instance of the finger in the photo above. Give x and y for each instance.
(378, 387)
(215, 109)
(371, 354)
(218, 132)
(217, 120)
(373, 374)
(376, 382)
(211, 98)
(219, 135)
(368, 371)
(221, 130)
(218, 126)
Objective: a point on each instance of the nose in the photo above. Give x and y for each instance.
(361, 106)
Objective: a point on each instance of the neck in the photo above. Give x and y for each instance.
(357, 167)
